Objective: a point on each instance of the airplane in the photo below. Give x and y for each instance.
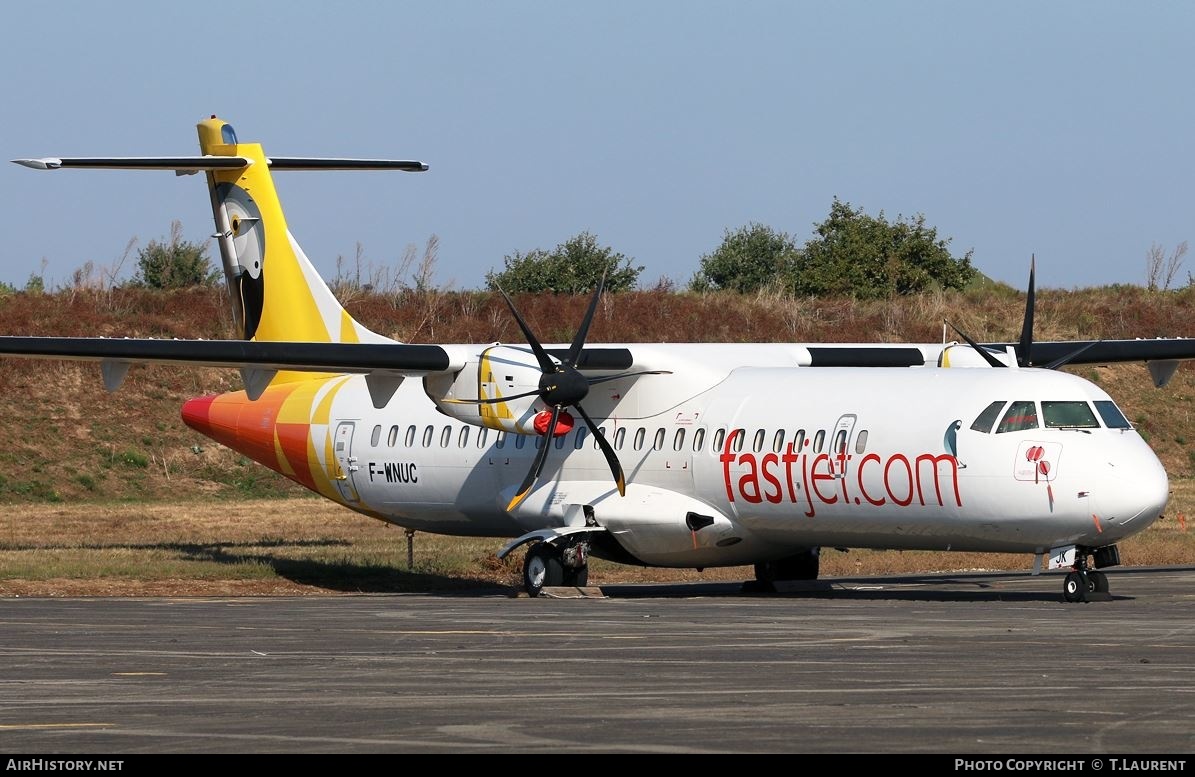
(672, 455)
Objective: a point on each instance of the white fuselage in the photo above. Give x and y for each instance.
(780, 458)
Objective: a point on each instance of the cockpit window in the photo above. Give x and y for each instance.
(983, 422)
(1020, 416)
(1113, 418)
(228, 134)
(1074, 415)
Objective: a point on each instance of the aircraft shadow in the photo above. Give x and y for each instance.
(342, 575)
(988, 587)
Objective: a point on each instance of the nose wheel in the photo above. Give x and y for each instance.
(1082, 584)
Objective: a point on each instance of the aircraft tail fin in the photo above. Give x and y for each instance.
(276, 293)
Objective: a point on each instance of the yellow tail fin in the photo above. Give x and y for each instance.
(277, 295)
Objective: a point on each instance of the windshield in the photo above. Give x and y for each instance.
(1075, 415)
(1020, 415)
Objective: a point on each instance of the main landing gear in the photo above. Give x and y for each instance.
(1083, 584)
(799, 566)
(547, 565)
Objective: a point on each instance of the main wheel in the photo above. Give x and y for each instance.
(577, 576)
(1097, 582)
(1075, 586)
(542, 568)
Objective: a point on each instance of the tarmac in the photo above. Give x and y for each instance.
(974, 663)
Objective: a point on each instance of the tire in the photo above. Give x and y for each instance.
(1097, 582)
(1075, 586)
(542, 569)
(578, 577)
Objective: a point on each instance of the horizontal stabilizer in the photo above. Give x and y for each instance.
(193, 164)
(312, 163)
(177, 163)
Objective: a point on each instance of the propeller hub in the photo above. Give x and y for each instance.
(564, 387)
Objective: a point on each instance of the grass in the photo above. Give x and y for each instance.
(314, 547)
(92, 482)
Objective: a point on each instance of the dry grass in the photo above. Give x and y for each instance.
(73, 452)
(313, 547)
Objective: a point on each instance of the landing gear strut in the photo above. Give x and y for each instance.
(799, 566)
(548, 566)
(1083, 584)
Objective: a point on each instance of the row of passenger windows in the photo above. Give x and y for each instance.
(659, 439)
(1023, 414)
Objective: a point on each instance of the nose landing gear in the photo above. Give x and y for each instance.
(1082, 584)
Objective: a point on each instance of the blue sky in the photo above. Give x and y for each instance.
(1062, 129)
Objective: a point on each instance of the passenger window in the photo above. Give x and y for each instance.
(602, 432)
(739, 434)
(579, 440)
(500, 440)
(678, 441)
(427, 436)
(719, 436)
(619, 436)
(1019, 416)
(410, 439)
(446, 437)
(539, 442)
(463, 440)
(482, 433)
(520, 441)
(819, 440)
(798, 440)
(392, 438)
(861, 441)
(1072, 415)
(1113, 418)
(639, 437)
(757, 445)
(659, 441)
(983, 422)
(376, 437)
(559, 441)
(778, 441)
(839, 442)
(699, 439)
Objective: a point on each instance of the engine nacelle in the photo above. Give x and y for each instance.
(963, 355)
(501, 371)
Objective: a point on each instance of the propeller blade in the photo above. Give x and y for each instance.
(595, 381)
(537, 466)
(546, 365)
(611, 458)
(574, 350)
(992, 360)
(1065, 360)
(1025, 350)
(491, 401)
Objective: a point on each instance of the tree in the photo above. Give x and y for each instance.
(750, 258)
(1160, 269)
(863, 256)
(176, 264)
(573, 267)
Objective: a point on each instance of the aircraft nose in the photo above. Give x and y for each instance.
(1134, 494)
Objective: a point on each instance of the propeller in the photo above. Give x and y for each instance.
(1025, 346)
(562, 386)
